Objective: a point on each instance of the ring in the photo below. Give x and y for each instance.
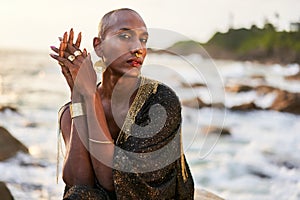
(60, 63)
(71, 58)
(77, 53)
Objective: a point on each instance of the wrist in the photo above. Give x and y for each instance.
(77, 109)
(89, 97)
(76, 97)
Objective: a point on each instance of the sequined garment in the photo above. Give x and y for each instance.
(148, 161)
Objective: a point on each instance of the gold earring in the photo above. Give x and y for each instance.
(100, 66)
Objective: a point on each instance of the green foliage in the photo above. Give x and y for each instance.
(257, 42)
(261, 44)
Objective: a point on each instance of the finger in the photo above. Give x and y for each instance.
(56, 50)
(61, 50)
(65, 38)
(64, 61)
(78, 40)
(72, 50)
(71, 37)
(84, 53)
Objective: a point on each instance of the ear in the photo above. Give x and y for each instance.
(97, 46)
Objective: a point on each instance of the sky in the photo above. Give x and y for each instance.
(36, 24)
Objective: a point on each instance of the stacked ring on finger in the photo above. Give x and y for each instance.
(77, 53)
(71, 58)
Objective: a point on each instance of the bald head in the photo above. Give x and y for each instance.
(112, 17)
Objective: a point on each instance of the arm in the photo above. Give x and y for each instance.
(77, 169)
(81, 78)
(101, 153)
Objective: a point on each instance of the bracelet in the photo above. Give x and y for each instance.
(101, 142)
(76, 110)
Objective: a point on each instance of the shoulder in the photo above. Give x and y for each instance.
(64, 120)
(164, 94)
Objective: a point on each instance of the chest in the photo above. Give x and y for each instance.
(115, 116)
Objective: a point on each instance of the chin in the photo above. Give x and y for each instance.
(134, 73)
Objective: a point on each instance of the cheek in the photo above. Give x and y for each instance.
(113, 50)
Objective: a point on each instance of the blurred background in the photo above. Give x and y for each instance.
(234, 65)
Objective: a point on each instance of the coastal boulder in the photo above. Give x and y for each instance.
(11, 108)
(4, 192)
(9, 145)
(286, 102)
(246, 107)
(194, 103)
(222, 131)
(238, 88)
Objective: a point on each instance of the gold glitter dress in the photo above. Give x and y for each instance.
(148, 161)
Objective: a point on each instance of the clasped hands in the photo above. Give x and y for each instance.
(76, 65)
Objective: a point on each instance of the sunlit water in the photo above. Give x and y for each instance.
(260, 160)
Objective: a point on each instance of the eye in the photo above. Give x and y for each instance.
(125, 36)
(144, 40)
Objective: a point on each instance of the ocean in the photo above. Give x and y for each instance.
(259, 160)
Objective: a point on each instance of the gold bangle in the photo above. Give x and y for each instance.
(101, 142)
(76, 110)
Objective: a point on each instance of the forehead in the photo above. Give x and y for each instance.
(125, 19)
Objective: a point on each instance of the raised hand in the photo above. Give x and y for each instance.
(73, 61)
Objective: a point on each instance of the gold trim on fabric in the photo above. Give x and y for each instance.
(183, 168)
(146, 88)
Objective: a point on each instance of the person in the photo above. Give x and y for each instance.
(123, 135)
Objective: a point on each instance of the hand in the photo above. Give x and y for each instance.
(70, 68)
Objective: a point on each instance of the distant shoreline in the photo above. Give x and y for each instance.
(263, 45)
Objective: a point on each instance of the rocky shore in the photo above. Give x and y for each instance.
(284, 101)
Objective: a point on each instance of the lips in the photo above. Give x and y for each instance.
(135, 62)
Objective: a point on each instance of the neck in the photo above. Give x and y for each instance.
(119, 86)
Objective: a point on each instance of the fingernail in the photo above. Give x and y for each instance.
(52, 47)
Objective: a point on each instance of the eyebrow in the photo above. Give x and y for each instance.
(128, 29)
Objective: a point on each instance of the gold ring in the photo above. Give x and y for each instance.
(61, 64)
(77, 53)
(71, 58)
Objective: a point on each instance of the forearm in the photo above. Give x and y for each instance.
(77, 169)
(101, 153)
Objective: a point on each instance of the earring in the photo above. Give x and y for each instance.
(100, 66)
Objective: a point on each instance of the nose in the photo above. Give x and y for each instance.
(137, 47)
(137, 51)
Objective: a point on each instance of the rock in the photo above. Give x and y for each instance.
(4, 192)
(258, 77)
(192, 85)
(286, 102)
(246, 107)
(9, 145)
(198, 103)
(295, 77)
(260, 174)
(238, 88)
(216, 130)
(194, 103)
(265, 89)
(11, 108)
(206, 195)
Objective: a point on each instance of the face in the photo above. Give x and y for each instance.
(124, 46)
